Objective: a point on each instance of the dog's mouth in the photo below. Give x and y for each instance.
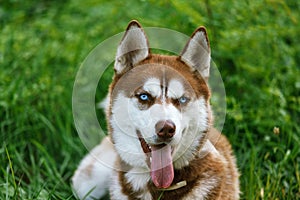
(160, 162)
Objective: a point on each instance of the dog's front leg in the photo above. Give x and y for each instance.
(91, 179)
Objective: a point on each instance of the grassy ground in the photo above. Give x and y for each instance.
(42, 43)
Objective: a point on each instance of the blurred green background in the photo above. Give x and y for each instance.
(255, 45)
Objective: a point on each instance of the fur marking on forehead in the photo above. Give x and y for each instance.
(175, 89)
(152, 86)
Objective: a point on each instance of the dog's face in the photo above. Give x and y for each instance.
(159, 108)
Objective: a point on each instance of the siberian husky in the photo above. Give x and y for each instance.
(161, 143)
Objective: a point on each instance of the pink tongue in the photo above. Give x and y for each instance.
(162, 172)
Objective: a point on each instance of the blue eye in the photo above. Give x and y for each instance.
(144, 97)
(183, 100)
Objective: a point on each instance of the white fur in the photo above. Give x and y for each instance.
(115, 189)
(152, 86)
(154, 114)
(208, 147)
(138, 178)
(207, 185)
(94, 171)
(145, 196)
(124, 126)
(197, 53)
(127, 118)
(134, 40)
(195, 121)
(104, 104)
(175, 89)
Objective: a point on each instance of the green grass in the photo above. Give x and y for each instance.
(255, 44)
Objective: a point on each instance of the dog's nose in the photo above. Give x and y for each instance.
(165, 129)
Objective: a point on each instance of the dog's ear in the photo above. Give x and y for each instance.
(196, 52)
(132, 49)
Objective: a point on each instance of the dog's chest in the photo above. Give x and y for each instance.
(136, 184)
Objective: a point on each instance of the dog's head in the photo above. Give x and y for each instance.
(159, 105)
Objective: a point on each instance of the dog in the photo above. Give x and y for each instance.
(161, 142)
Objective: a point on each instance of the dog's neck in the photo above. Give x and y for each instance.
(185, 178)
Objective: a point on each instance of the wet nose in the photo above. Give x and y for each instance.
(165, 129)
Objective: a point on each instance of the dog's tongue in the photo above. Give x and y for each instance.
(162, 172)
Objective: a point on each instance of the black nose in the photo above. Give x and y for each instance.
(165, 129)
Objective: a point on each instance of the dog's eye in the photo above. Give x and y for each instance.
(183, 100)
(144, 97)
